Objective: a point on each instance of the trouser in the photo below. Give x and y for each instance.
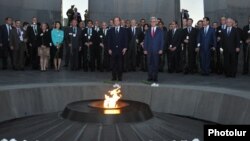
(153, 66)
(19, 56)
(117, 63)
(74, 58)
(172, 61)
(67, 55)
(34, 57)
(246, 58)
(205, 56)
(131, 58)
(6, 53)
(230, 63)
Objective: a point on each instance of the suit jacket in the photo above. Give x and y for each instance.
(93, 38)
(44, 38)
(133, 37)
(77, 17)
(246, 35)
(116, 43)
(230, 42)
(103, 38)
(241, 34)
(154, 44)
(4, 36)
(15, 38)
(207, 41)
(74, 38)
(176, 39)
(32, 36)
(192, 35)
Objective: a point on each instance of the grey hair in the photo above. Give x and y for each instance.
(153, 18)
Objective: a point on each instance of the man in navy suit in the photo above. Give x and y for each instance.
(153, 48)
(5, 49)
(230, 41)
(117, 44)
(206, 42)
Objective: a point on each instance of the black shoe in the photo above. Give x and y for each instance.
(155, 80)
(149, 79)
(119, 79)
(113, 79)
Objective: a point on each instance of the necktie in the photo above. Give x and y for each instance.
(74, 30)
(152, 32)
(88, 31)
(228, 31)
(18, 31)
(205, 30)
(116, 30)
(8, 29)
(189, 30)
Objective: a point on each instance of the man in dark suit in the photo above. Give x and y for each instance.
(206, 41)
(18, 45)
(241, 36)
(163, 55)
(5, 49)
(32, 33)
(174, 48)
(70, 14)
(230, 42)
(103, 48)
(219, 32)
(77, 16)
(190, 41)
(246, 47)
(153, 48)
(117, 44)
(134, 34)
(90, 47)
(74, 41)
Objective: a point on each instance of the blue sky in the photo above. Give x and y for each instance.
(195, 7)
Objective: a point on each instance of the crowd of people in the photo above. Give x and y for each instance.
(126, 46)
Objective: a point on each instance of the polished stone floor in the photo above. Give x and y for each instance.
(51, 127)
(9, 77)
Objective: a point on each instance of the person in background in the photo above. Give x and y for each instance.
(57, 35)
(77, 16)
(18, 42)
(44, 46)
(70, 14)
(246, 47)
(190, 34)
(199, 24)
(174, 48)
(230, 42)
(74, 42)
(33, 34)
(143, 57)
(104, 55)
(206, 41)
(5, 49)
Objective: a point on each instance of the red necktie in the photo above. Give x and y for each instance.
(153, 32)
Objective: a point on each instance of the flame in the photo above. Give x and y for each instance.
(111, 99)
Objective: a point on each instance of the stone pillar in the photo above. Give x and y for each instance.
(104, 10)
(238, 9)
(24, 10)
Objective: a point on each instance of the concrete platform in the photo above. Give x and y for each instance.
(214, 98)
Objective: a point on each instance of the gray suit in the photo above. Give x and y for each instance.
(17, 41)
